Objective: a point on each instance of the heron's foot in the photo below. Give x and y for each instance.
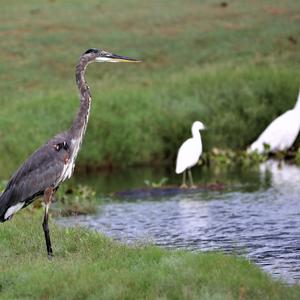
(193, 186)
(50, 256)
(183, 186)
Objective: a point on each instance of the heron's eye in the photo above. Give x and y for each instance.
(105, 54)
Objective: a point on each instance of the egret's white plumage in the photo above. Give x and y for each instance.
(281, 133)
(190, 151)
(188, 154)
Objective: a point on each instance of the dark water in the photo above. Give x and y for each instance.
(257, 215)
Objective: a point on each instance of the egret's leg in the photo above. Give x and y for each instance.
(183, 186)
(47, 199)
(191, 178)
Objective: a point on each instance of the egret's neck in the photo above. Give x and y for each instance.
(196, 134)
(79, 125)
(297, 105)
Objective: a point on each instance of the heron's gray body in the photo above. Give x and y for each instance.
(52, 163)
(42, 169)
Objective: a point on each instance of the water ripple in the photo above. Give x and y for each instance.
(262, 225)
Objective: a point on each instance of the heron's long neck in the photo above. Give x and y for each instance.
(79, 125)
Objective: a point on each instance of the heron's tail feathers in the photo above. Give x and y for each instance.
(5, 198)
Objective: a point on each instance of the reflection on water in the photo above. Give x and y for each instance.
(281, 176)
(259, 218)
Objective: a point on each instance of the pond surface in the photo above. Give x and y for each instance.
(256, 215)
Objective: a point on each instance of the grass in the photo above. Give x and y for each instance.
(235, 68)
(90, 266)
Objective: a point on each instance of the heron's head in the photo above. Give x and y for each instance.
(98, 55)
(198, 126)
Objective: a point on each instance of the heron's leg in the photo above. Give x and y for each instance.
(47, 199)
(183, 186)
(191, 178)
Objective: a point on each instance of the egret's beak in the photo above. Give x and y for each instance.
(110, 57)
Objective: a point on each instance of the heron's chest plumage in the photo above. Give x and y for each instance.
(74, 146)
(69, 160)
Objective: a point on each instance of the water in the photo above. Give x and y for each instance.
(257, 215)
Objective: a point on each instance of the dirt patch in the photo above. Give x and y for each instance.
(170, 30)
(276, 11)
(60, 28)
(15, 32)
(234, 26)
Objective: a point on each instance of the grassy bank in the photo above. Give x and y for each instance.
(234, 67)
(89, 266)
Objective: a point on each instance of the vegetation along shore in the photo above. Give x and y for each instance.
(236, 70)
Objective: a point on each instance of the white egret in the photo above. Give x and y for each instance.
(281, 133)
(189, 153)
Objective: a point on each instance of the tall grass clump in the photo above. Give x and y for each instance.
(145, 124)
(235, 104)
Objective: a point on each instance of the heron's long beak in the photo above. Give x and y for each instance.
(110, 57)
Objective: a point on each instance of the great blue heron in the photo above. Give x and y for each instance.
(189, 153)
(53, 163)
(282, 132)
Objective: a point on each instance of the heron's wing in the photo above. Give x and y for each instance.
(41, 170)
